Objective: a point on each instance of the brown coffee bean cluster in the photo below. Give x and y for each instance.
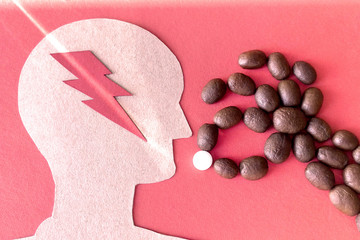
(294, 118)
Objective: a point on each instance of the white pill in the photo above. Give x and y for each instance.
(202, 160)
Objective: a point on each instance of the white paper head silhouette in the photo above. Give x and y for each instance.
(95, 162)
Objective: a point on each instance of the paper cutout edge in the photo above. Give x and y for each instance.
(22, 113)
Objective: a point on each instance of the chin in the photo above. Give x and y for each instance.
(162, 173)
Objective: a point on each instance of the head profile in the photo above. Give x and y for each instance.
(64, 127)
(96, 161)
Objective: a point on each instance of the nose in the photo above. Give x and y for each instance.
(182, 129)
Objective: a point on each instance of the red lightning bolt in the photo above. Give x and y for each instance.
(93, 82)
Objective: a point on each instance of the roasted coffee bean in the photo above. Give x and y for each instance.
(345, 199)
(241, 84)
(253, 168)
(289, 92)
(320, 176)
(345, 140)
(213, 91)
(226, 168)
(277, 147)
(312, 101)
(278, 66)
(357, 221)
(351, 176)
(304, 72)
(356, 154)
(332, 157)
(207, 136)
(252, 59)
(227, 117)
(289, 120)
(304, 147)
(257, 120)
(267, 98)
(319, 129)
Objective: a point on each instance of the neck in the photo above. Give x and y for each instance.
(96, 198)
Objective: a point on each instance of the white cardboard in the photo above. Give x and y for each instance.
(95, 163)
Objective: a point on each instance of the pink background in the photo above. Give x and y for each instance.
(207, 40)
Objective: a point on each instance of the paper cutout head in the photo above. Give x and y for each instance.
(95, 162)
(62, 127)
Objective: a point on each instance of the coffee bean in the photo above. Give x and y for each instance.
(267, 98)
(351, 176)
(357, 221)
(320, 176)
(332, 157)
(277, 147)
(312, 101)
(252, 59)
(345, 140)
(289, 120)
(304, 147)
(213, 91)
(278, 66)
(226, 168)
(253, 168)
(356, 154)
(241, 84)
(257, 120)
(289, 92)
(304, 72)
(345, 199)
(319, 129)
(227, 117)
(207, 136)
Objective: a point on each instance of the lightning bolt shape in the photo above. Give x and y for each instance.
(92, 81)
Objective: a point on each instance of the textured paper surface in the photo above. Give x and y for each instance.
(95, 163)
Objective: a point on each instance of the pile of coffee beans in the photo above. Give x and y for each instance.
(293, 116)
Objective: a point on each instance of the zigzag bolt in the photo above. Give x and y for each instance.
(92, 81)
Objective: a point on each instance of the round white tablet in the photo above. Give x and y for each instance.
(202, 160)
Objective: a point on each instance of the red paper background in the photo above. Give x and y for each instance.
(207, 40)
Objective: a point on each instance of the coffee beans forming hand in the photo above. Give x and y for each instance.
(294, 117)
